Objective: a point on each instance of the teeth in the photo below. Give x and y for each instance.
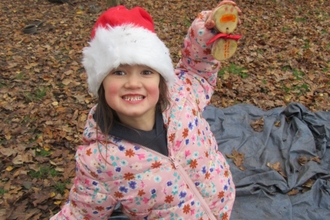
(133, 98)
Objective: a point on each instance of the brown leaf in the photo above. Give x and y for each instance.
(316, 159)
(309, 183)
(40, 198)
(7, 151)
(19, 211)
(277, 166)
(67, 81)
(238, 158)
(3, 213)
(277, 123)
(302, 160)
(258, 125)
(293, 192)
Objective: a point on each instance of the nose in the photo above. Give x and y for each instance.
(133, 80)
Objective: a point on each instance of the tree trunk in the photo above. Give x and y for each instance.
(112, 3)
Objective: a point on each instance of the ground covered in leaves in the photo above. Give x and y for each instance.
(283, 56)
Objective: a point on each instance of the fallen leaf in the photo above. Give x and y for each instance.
(27, 184)
(66, 81)
(302, 160)
(316, 159)
(309, 183)
(52, 194)
(277, 123)
(293, 192)
(7, 151)
(47, 147)
(238, 158)
(258, 125)
(10, 168)
(59, 202)
(277, 167)
(20, 159)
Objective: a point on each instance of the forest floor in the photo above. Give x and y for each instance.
(283, 56)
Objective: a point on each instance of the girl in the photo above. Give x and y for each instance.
(147, 146)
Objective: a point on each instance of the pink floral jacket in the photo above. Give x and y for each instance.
(193, 182)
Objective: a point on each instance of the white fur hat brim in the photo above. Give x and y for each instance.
(125, 44)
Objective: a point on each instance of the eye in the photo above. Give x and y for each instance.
(147, 72)
(118, 73)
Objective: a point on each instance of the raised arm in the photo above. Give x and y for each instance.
(198, 69)
(196, 54)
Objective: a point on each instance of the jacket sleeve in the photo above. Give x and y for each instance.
(89, 196)
(197, 69)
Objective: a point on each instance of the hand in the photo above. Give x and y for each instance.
(209, 23)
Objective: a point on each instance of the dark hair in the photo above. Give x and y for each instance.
(107, 115)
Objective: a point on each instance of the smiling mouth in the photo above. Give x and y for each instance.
(133, 98)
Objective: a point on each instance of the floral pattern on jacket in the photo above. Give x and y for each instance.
(193, 182)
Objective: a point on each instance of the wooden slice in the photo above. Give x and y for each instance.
(226, 18)
(223, 49)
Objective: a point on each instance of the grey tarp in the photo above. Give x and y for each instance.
(288, 133)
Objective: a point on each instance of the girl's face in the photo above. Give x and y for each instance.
(133, 92)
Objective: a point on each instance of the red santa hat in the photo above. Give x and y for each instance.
(122, 36)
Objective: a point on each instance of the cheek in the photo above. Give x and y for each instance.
(110, 90)
(110, 86)
(154, 92)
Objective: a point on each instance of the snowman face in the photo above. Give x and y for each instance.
(226, 18)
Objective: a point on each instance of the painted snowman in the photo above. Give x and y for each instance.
(225, 19)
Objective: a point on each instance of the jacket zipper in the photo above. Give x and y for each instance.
(188, 181)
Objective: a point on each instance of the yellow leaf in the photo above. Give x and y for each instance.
(277, 123)
(79, 12)
(57, 202)
(47, 147)
(10, 168)
(52, 194)
(66, 193)
(287, 98)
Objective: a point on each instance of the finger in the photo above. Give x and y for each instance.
(209, 24)
(239, 11)
(208, 17)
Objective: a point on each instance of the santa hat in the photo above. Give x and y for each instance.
(122, 36)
